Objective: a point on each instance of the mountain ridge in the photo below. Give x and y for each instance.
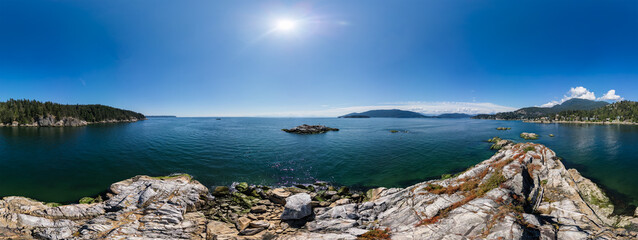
(397, 113)
(574, 104)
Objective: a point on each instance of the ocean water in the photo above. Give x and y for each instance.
(65, 164)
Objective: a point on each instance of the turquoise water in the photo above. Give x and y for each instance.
(65, 164)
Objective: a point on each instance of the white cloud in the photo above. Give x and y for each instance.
(580, 92)
(551, 104)
(583, 93)
(427, 108)
(610, 96)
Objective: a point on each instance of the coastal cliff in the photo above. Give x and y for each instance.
(522, 192)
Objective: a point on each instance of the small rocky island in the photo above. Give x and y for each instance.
(522, 192)
(529, 136)
(310, 129)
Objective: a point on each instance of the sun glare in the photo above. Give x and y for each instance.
(285, 25)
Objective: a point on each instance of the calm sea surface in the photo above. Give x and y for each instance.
(65, 164)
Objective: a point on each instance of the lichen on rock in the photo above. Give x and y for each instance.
(522, 192)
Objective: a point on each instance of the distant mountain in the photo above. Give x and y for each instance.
(393, 113)
(574, 104)
(454, 115)
(396, 113)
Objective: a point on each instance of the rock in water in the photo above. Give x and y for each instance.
(297, 207)
(309, 129)
(529, 136)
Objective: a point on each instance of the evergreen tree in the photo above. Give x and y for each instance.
(29, 111)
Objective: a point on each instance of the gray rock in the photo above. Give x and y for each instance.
(279, 195)
(297, 207)
(259, 209)
(260, 224)
(157, 208)
(530, 195)
(250, 231)
(309, 129)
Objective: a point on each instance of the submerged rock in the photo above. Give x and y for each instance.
(498, 143)
(310, 129)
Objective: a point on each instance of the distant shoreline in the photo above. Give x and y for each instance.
(581, 122)
(73, 123)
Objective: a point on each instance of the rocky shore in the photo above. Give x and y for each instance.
(52, 121)
(309, 129)
(522, 192)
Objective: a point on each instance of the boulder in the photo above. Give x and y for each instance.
(279, 195)
(242, 223)
(218, 230)
(221, 191)
(260, 224)
(297, 207)
(259, 209)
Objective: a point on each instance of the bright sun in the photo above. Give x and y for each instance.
(285, 25)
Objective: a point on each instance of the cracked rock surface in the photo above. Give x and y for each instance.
(522, 192)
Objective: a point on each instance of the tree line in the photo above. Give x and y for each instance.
(623, 111)
(28, 111)
(619, 111)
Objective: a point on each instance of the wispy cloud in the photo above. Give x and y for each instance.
(583, 93)
(428, 108)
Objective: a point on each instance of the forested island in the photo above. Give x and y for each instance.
(34, 113)
(623, 112)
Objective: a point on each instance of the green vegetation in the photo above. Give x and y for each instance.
(29, 111)
(543, 113)
(530, 148)
(173, 176)
(529, 136)
(602, 203)
(90, 200)
(624, 111)
(503, 128)
(375, 234)
(394, 131)
(496, 145)
(492, 182)
(53, 204)
(575, 110)
(86, 200)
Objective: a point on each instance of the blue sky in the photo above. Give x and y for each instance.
(228, 58)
